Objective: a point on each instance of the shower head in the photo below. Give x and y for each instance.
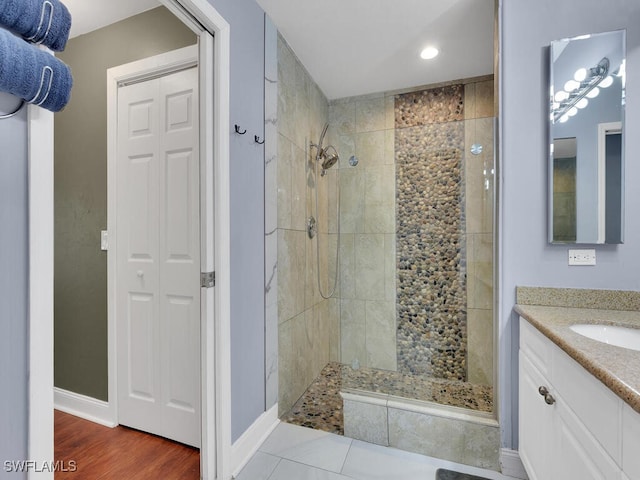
(329, 159)
(326, 156)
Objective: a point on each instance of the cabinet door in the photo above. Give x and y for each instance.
(578, 454)
(536, 424)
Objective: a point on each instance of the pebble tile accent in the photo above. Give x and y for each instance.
(321, 406)
(431, 246)
(435, 105)
(453, 393)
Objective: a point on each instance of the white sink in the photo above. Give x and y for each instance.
(619, 336)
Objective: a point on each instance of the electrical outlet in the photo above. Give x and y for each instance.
(582, 257)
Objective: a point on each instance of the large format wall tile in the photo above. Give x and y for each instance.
(307, 332)
(381, 335)
(353, 332)
(370, 114)
(480, 271)
(449, 439)
(370, 148)
(480, 351)
(342, 116)
(366, 422)
(291, 273)
(284, 194)
(369, 251)
(286, 395)
(351, 200)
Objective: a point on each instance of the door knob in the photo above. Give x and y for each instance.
(548, 398)
(140, 273)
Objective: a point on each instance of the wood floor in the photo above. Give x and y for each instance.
(102, 453)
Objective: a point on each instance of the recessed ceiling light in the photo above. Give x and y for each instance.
(429, 53)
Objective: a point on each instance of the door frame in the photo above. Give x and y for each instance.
(604, 129)
(206, 22)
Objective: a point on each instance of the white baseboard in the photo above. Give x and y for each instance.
(92, 409)
(511, 464)
(244, 448)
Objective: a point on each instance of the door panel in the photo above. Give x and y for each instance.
(158, 265)
(179, 173)
(180, 255)
(140, 197)
(180, 336)
(142, 384)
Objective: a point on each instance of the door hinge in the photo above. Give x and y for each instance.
(207, 279)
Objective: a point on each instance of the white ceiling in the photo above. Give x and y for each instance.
(354, 47)
(89, 15)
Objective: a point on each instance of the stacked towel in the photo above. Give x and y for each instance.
(38, 21)
(33, 74)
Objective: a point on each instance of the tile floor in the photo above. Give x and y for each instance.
(298, 453)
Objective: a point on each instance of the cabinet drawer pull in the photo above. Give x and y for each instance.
(548, 398)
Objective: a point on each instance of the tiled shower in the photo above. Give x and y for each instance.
(412, 316)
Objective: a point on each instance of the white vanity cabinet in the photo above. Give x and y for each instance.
(572, 427)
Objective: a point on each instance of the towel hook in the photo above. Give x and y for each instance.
(257, 140)
(9, 115)
(238, 130)
(42, 20)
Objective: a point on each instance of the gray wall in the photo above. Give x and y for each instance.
(80, 312)
(526, 257)
(246, 19)
(14, 284)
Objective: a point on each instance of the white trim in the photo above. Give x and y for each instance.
(511, 464)
(217, 407)
(222, 255)
(208, 346)
(248, 444)
(604, 129)
(89, 408)
(40, 158)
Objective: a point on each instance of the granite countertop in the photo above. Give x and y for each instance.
(618, 368)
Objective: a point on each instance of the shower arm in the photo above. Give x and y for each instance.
(318, 147)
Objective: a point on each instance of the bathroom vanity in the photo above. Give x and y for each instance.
(579, 398)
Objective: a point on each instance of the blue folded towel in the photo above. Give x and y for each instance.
(38, 21)
(33, 74)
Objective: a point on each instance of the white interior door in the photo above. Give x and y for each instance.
(158, 257)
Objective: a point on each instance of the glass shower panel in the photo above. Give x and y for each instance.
(416, 285)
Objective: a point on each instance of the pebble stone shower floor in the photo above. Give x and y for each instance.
(321, 408)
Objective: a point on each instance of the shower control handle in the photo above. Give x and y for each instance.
(548, 398)
(312, 227)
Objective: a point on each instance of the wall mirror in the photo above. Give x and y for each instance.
(586, 136)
